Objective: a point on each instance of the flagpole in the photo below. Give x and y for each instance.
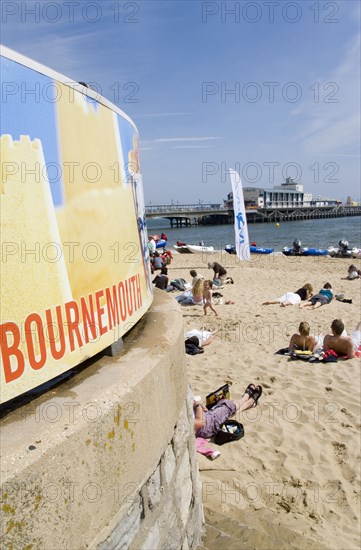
(240, 219)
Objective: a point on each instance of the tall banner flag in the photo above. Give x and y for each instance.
(240, 220)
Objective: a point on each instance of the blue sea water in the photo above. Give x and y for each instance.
(319, 233)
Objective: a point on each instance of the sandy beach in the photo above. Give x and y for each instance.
(293, 481)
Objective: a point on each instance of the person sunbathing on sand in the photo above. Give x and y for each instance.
(321, 299)
(292, 298)
(343, 345)
(303, 341)
(207, 422)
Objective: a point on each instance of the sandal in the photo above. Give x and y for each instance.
(256, 394)
(229, 302)
(250, 389)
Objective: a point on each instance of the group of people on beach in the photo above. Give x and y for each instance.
(338, 341)
(200, 291)
(305, 295)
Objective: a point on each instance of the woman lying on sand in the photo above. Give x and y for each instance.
(292, 298)
(321, 299)
(208, 422)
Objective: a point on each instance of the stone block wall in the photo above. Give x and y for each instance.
(167, 512)
(107, 459)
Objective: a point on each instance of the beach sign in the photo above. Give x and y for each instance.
(240, 220)
(74, 257)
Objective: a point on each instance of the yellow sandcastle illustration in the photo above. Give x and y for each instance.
(31, 257)
(98, 215)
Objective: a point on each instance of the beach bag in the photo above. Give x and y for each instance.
(215, 396)
(231, 430)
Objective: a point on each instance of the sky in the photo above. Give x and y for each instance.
(268, 88)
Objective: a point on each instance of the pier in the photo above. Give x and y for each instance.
(186, 215)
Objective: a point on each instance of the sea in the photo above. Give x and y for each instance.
(320, 233)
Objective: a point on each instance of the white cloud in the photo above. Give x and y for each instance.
(168, 140)
(193, 147)
(162, 114)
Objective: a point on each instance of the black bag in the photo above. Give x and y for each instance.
(192, 346)
(231, 430)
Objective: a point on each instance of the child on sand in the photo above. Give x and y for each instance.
(207, 297)
(321, 299)
(302, 341)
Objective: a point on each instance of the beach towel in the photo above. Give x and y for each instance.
(205, 449)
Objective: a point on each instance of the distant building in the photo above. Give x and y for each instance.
(289, 194)
(351, 202)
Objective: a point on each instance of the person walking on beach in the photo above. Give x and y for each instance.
(321, 299)
(339, 342)
(207, 298)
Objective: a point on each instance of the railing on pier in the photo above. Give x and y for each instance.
(175, 208)
(211, 213)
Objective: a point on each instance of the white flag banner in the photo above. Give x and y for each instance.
(240, 220)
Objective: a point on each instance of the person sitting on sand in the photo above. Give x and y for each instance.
(352, 273)
(342, 344)
(207, 422)
(157, 261)
(302, 341)
(207, 298)
(321, 299)
(292, 298)
(192, 297)
(195, 276)
(161, 280)
(219, 273)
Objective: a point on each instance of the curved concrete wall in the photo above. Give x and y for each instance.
(107, 459)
